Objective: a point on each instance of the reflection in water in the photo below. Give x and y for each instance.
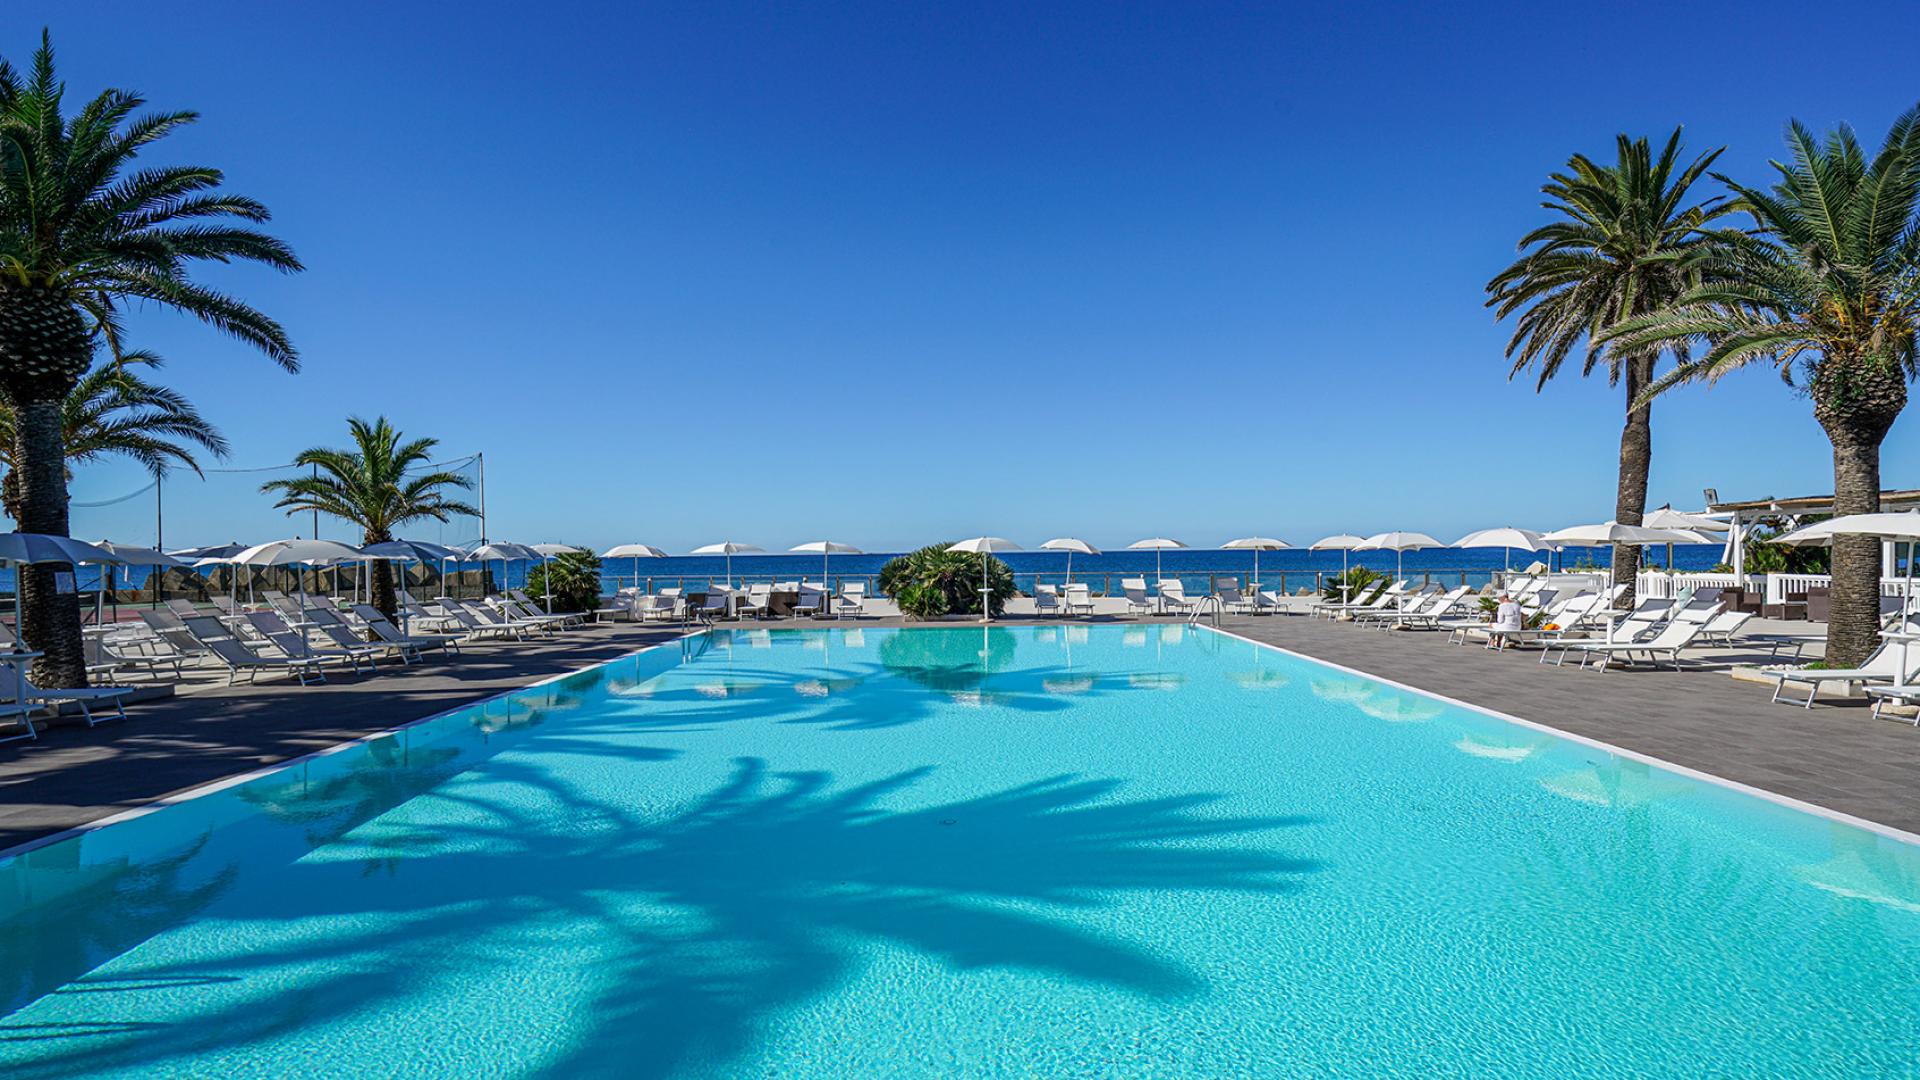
(1621, 783)
(1342, 688)
(1499, 750)
(1399, 708)
(952, 662)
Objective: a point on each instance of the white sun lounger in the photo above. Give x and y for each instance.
(1670, 641)
(1882, 666)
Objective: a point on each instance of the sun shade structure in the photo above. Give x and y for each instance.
(1668, 518)
(1255, 544)
(636, 552)
(546, 553)
(1156, 544)
(1070, 545)
(729, 548)
(210, 551)
(1506, 537)
(298, 551)
(129, 555)
(1344, 543)
(1399, 543)
(20, 548)
(507, 553)
(1612, 532)
(826, 549)
(985, 545)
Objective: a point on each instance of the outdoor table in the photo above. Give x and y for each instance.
(1903, 638)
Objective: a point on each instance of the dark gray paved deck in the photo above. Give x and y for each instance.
(75, 775)
(1834, 756)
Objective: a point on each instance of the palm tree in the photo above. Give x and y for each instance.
(1632, 242)
(113, 412)
(370, 486)
(1825, 289)
(82, 234)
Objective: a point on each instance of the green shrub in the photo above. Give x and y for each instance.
(933, 581)
(1357, 578)
(575, 581)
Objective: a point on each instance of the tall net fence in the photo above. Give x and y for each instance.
(227, 505)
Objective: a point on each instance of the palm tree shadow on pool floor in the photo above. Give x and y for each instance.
(669, 940)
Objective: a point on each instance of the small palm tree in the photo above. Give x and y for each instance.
(114, 412)
(82, 234)
(1825, 290)
(369, 486)
(1633, 240)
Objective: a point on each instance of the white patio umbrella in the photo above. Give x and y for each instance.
(1399, 543)
(420, 551)
(507, 553)
(1607, 533)
(1344, 543)
(1255, 544)
(826, 549)
(1506, 537)
(985, 545)
(19, 549)
(546, 553)
(1667, 517)
(1070, 545)
(636, 552)
(130, 555)
(1156, 544)
(729, 548)
(298, 551)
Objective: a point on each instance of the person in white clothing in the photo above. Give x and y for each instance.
(1507, 619)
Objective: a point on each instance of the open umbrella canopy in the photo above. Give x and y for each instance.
(985, 545)
(1255, 544)
(133, 555)
(1071, 545)
(1156, 544)
(1398, 541)
(728, 547)
(296, 550)
(550, 550)
(1505, 536)
(412, 551)
(825, 547)
(210, 551)
(1337, 542)
(633, 551)
(1668, 518)
(19, 547)
(501, 549)
(1885, 526)
(1612, 532)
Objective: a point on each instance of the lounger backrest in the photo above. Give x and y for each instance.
(378, 623)
(1727, 622)
(268, 623)
(853, 589)
(1676, 634)
(206, 629)
(182, 608)
(1171, 587)
(1078, 591)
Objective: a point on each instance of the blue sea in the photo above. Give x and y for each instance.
(1288, 570)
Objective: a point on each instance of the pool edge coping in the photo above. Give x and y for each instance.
(1889, 831)
(213, 787)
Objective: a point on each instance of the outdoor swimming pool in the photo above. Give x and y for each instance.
(1056, 851)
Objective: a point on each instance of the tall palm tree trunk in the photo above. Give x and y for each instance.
(386, 596)
(49, 618)
(1857, 416)
(45, 346)
(1636, 460)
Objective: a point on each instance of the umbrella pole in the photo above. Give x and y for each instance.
(986, 598)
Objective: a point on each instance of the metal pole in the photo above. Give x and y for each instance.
(480, 464)
(316, 536)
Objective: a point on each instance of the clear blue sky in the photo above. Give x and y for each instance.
(889, 273)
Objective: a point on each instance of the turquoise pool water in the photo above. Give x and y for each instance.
(1055, 852)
